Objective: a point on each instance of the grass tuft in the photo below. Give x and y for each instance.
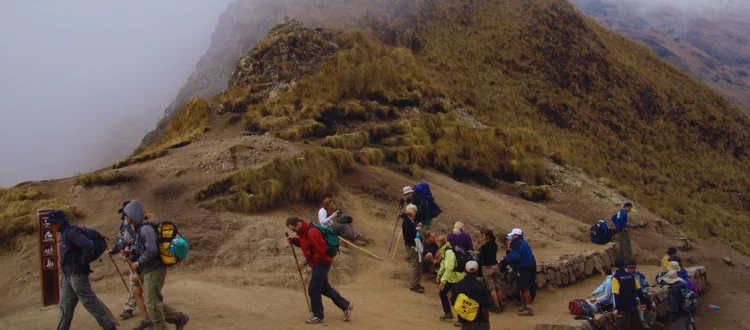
(537, 193)
(103, 179)
(190, 122)
(140, 159)
(371, 156)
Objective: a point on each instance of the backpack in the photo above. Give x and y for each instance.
(99, 241)
(580, 307)
(423, 190)
(600, 233)
(461, 259)
(689, 301)
(466, 307)
(173, 247)
(332, 240)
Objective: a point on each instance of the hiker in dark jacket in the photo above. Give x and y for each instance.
(151, 270)
(76, 252)
(475, 290)
(620, 219)
(409, 228)
(521, 258)
(409, 197)
(627, 292)
(490, 270)
(645, 299)
(313, 245)
(679, 318)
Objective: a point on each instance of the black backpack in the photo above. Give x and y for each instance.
(99, 241)
(461, 259)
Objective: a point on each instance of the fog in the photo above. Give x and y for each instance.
(81, 82)
(685, 5)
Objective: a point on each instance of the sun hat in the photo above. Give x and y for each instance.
(408, 190)
(673, 266)
(671, 277)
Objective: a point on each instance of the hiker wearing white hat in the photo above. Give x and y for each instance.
(410, 197)
(679, 299)
(521, 258)
(470, 300)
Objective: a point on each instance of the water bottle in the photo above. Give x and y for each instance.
(171, 246)
(714, 307)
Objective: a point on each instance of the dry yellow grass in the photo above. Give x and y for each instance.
(103, 179)
(189, 123)
(18, 208)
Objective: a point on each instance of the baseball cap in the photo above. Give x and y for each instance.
(516, 231)
(57, 216)
(120, 211)
(472, 267)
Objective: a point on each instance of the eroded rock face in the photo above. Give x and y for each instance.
(290, 51)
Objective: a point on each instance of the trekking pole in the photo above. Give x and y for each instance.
(398, 216)
(359, 248)
(396, 248)
(299, 270)
(119, 273)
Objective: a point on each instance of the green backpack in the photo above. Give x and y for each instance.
(332, 240)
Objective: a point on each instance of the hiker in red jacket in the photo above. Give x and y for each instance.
(310, 240)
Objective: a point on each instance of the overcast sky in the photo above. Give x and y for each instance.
(81, 82)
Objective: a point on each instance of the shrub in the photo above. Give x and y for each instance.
(371, 156)
(416, 171)
(309, 176)
(537, 193)
(140, 159)
(103, 179)
(348, 141)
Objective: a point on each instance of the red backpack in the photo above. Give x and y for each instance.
(580, 307)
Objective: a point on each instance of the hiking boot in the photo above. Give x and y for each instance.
(645, 325)
(417, 289)
(126, 314)
(144, 325)
(447, 317)
(522, 309)
(457, 324)
(496, 309)
(314, 320)
(348, 312)
(528, 312)
(182, 321)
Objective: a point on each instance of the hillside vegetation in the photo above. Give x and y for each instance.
(18, 208)
(543, 80)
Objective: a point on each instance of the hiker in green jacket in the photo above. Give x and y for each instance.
(448, 276)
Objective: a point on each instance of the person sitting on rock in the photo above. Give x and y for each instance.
(681, 272)
(430, 257)
(329, 217)
(604, 302)
(460, 239)
(672, 251)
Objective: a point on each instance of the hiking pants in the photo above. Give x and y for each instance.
(447, 308)
(682, 324)
(416, 267)
(319, 287)
(76, 287)
(475, 326)
(130, 302)
(159, 312)
(626, 251)
(629, 321)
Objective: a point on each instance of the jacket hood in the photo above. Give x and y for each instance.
(134, 211)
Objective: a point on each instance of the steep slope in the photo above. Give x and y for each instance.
(709, 42)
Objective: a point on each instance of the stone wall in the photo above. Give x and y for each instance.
(658, 293)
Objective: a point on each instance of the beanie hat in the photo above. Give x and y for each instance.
(619, 263)
(672, 250)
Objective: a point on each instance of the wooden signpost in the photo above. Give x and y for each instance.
(48, 260)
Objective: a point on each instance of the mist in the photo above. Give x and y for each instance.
(81, 82)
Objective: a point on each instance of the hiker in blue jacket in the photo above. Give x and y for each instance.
(620, 220)
(76, 252)
(521, 258)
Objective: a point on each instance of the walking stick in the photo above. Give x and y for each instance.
(137, 278)
(299, 270)
(127, 287)
(359, 248)
(398, 216)
(396, 248)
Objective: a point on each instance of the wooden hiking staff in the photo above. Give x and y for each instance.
(359, 248)
(127, 287)
(137, 278)
(299, 270)
(396, 248)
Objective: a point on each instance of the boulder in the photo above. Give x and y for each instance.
(588, 266)
(727, 261)
(541, 280)
(573, 276)
(606, 260)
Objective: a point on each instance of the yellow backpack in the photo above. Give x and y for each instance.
(466, 307)
(165, 232)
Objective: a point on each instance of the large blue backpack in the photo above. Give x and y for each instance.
(423, 190)
(99, 241)
(600, 233)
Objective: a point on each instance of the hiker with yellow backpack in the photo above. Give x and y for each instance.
(471, 301)
(451, 271)
(154, 250)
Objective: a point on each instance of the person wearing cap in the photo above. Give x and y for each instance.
(409, 229)
(679, 318)
(627, 292)
(521, 258)
(681, 273)
(410, 197)
(671, 251)
(150, 269)
(76, 253)
(459, 238)
(603, 302)
(448, 276)
(620, 219)
(645, 300)
(490, 269)
(473, 289)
